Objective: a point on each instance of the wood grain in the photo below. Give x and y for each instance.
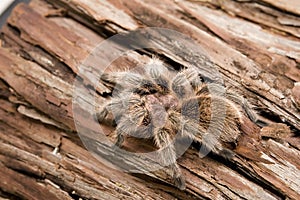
(254, 46)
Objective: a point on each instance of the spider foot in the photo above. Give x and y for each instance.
(180, 182)
(119, 140)
(227, 154)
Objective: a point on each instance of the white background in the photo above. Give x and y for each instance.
(6, 7)
(4, 4)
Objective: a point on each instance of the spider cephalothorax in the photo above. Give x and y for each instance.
(162, 104)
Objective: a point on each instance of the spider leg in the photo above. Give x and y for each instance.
(130, 123)
(181, 86)
(187, 127)
(238, 99)
(129, 82)
(192, 75)
(233, 96)
(198, 125)
(120, 137)
(187, 81)
(124, 126)
(209, 141)
(116, 106)
(101, 114)
(134, 121)
(127, 127)
(158, 73)
(126, 77)
(222, 121)
(167, 154)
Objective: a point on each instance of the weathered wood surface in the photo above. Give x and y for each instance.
(255, 46)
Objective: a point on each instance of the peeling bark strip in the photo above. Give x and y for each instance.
(254, 45)
(292, 6)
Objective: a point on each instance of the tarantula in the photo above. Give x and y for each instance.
(162, 104)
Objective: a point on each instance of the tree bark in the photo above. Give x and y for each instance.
(254, 45)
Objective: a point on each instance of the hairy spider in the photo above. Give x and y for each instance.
(162, 104)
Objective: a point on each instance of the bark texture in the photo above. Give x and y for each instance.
(255, 45)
